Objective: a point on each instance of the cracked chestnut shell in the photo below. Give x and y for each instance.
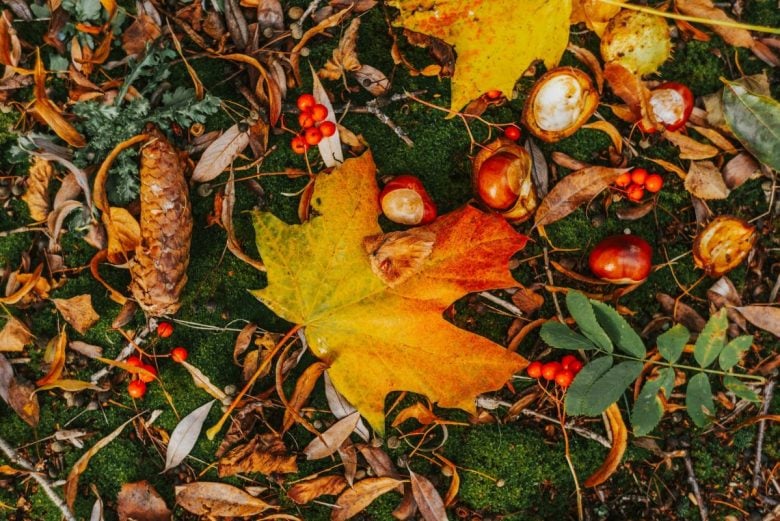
(723, 244)
(559, 103)
(502, 180)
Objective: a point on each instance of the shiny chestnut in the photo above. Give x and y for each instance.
(621, 259)
(501, 175)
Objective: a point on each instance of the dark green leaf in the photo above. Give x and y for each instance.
(712, 339)
(672, 343)
(598, 391)
(755, 120)
(648, 408)
(698, 400)
(561, 336)
(576, 395)
(621, 333)
(741, 389)
(580, 308)
(731, 354)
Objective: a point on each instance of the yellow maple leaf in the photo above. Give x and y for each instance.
(380, 328)
(495, 40)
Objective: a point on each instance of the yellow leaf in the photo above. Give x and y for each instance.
(124, 234)
(375, 337)
(495, 40)
(37, 194)
(14, 336)
(619, 444)
(78, 311)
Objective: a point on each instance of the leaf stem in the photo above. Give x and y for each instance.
(759, 379)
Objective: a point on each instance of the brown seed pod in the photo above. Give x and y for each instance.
(159, 268)
(501, 175)
(559, 103)
(723, 244)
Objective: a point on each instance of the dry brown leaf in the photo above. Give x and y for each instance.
(37, 194)
(419, 412)
(295, 56)
(344, 57)
(566, 161)
(10, 46)
(233, 245)
(630, 88)
(427, 498)
(27, 286)
(589, 59)
(689, 147)
(71, 386)
(265, 454)
(452, 492)
(681, 312)
(202, 381)
(78, 312)
(88, 350)
(763, 317)
(123, 233)
(355, 499)
(739, 169)
(671, 167)
(24, 401)
(527, 300)
(142, 31)
(594, 13)
(205, 498)
(330, 440)
(14, 336)
(47, 112)
(619, 444)
(55, 357)
(716, 138)
(705, 181)
(140, 502)
(221, 153)
(574, 190)
(372, 79)
(348, 454)
(610, 130)
(303, 388)
(305, 491)
(243, 341)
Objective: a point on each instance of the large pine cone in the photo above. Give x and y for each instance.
(159, 268)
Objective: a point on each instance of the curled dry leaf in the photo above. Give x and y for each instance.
(14, 336)
(630, 88)
(419, 412)
(689, 147)
(140, 502)
(77, 311)
(123, 234)
(619, 444)
(574, 190)
(330, 440)
(185, 435)
(344, 57)
(763, 317)
(37, 194)
(226, 214)
(205, 498)
(305, 491)
(723, 244)
(265, 454)
(588, 58)
(427, 498)
(55, 357)
(45, 110)
(354, 500)
(705, 181)
(221, 153)
(303, 388)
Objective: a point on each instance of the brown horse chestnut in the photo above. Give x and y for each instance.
(621, 259)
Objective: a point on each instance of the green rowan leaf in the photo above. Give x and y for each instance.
(561, 336)
(581, 310)
(698, 400)
(712, 339)
(672, 343)
(620, 331)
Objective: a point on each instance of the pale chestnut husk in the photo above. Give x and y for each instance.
(723, 244)
(519, 176)
(559, 103)
(638, 41)
(159, 268)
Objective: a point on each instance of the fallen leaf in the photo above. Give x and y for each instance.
(755, 120)
(372, 79)
(205, 498)
(355, 499)
(303, 388)
(29, 284)
(344, 57)
(329, 147)
(6, 375)
(610, 130)
(77, 311)
(340, 406)
(47, 112)
(573, 191)
(629, 87)
(379, 461)
(123, 233)
(185, 435)
(143, 31)
(243, 341)
(379, 339)
(763, 317)
(716, 138)
(55, 357)
(619, 445)
(485, 34)
(705, 181)
(739, 169)
(221, 153)
(329, 441)
(427, 497)
(452, 492)
(689, 147)
(305, 491)
(681, 312)
(140, 502)
(24, 401)
(72, 386)
(265, 454)
(37, 194)
(424, 415)
(83, 348)
(203, 381)
(14, 336)
(233, 245)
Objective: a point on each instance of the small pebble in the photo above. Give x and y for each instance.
(500, 483)
(295, 13)
(393, 442)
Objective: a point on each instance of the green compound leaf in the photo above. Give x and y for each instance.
(672, 343)
(698, 400)
(712, 339)
(601, 387)
(621, 333)
(648, 408)
(740, 388)
(560, 336)
(580, 308)
(755, 120)
(731, 354)
(577, 394)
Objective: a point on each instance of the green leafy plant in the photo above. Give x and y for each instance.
(620, 357)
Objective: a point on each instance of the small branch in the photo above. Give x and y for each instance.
(695, 487)
(552, 283)
(126, 351)
(373, 108)
(502, 303)
(577, 430)
(768, 392)
(16, 459)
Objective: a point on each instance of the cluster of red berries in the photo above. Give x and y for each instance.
(637, 181)
(313, 124)
(562, 372)
(137, 386)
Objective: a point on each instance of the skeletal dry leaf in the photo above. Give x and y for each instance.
(705, 181)
(305, 491)
(344, 57)
(265, 454)
(573, 191)
(139, 501)
(206, 498)
(356, 499)
(14, 336)
(619, 445)
(37, 194)
(77, 311)
(330, 440)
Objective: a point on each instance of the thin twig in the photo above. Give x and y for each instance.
(16, 459)
(373, 108)
(695, 487)
(552, 283)
(126, 351)
(502, 303)
(768, 392)
(585, 433)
